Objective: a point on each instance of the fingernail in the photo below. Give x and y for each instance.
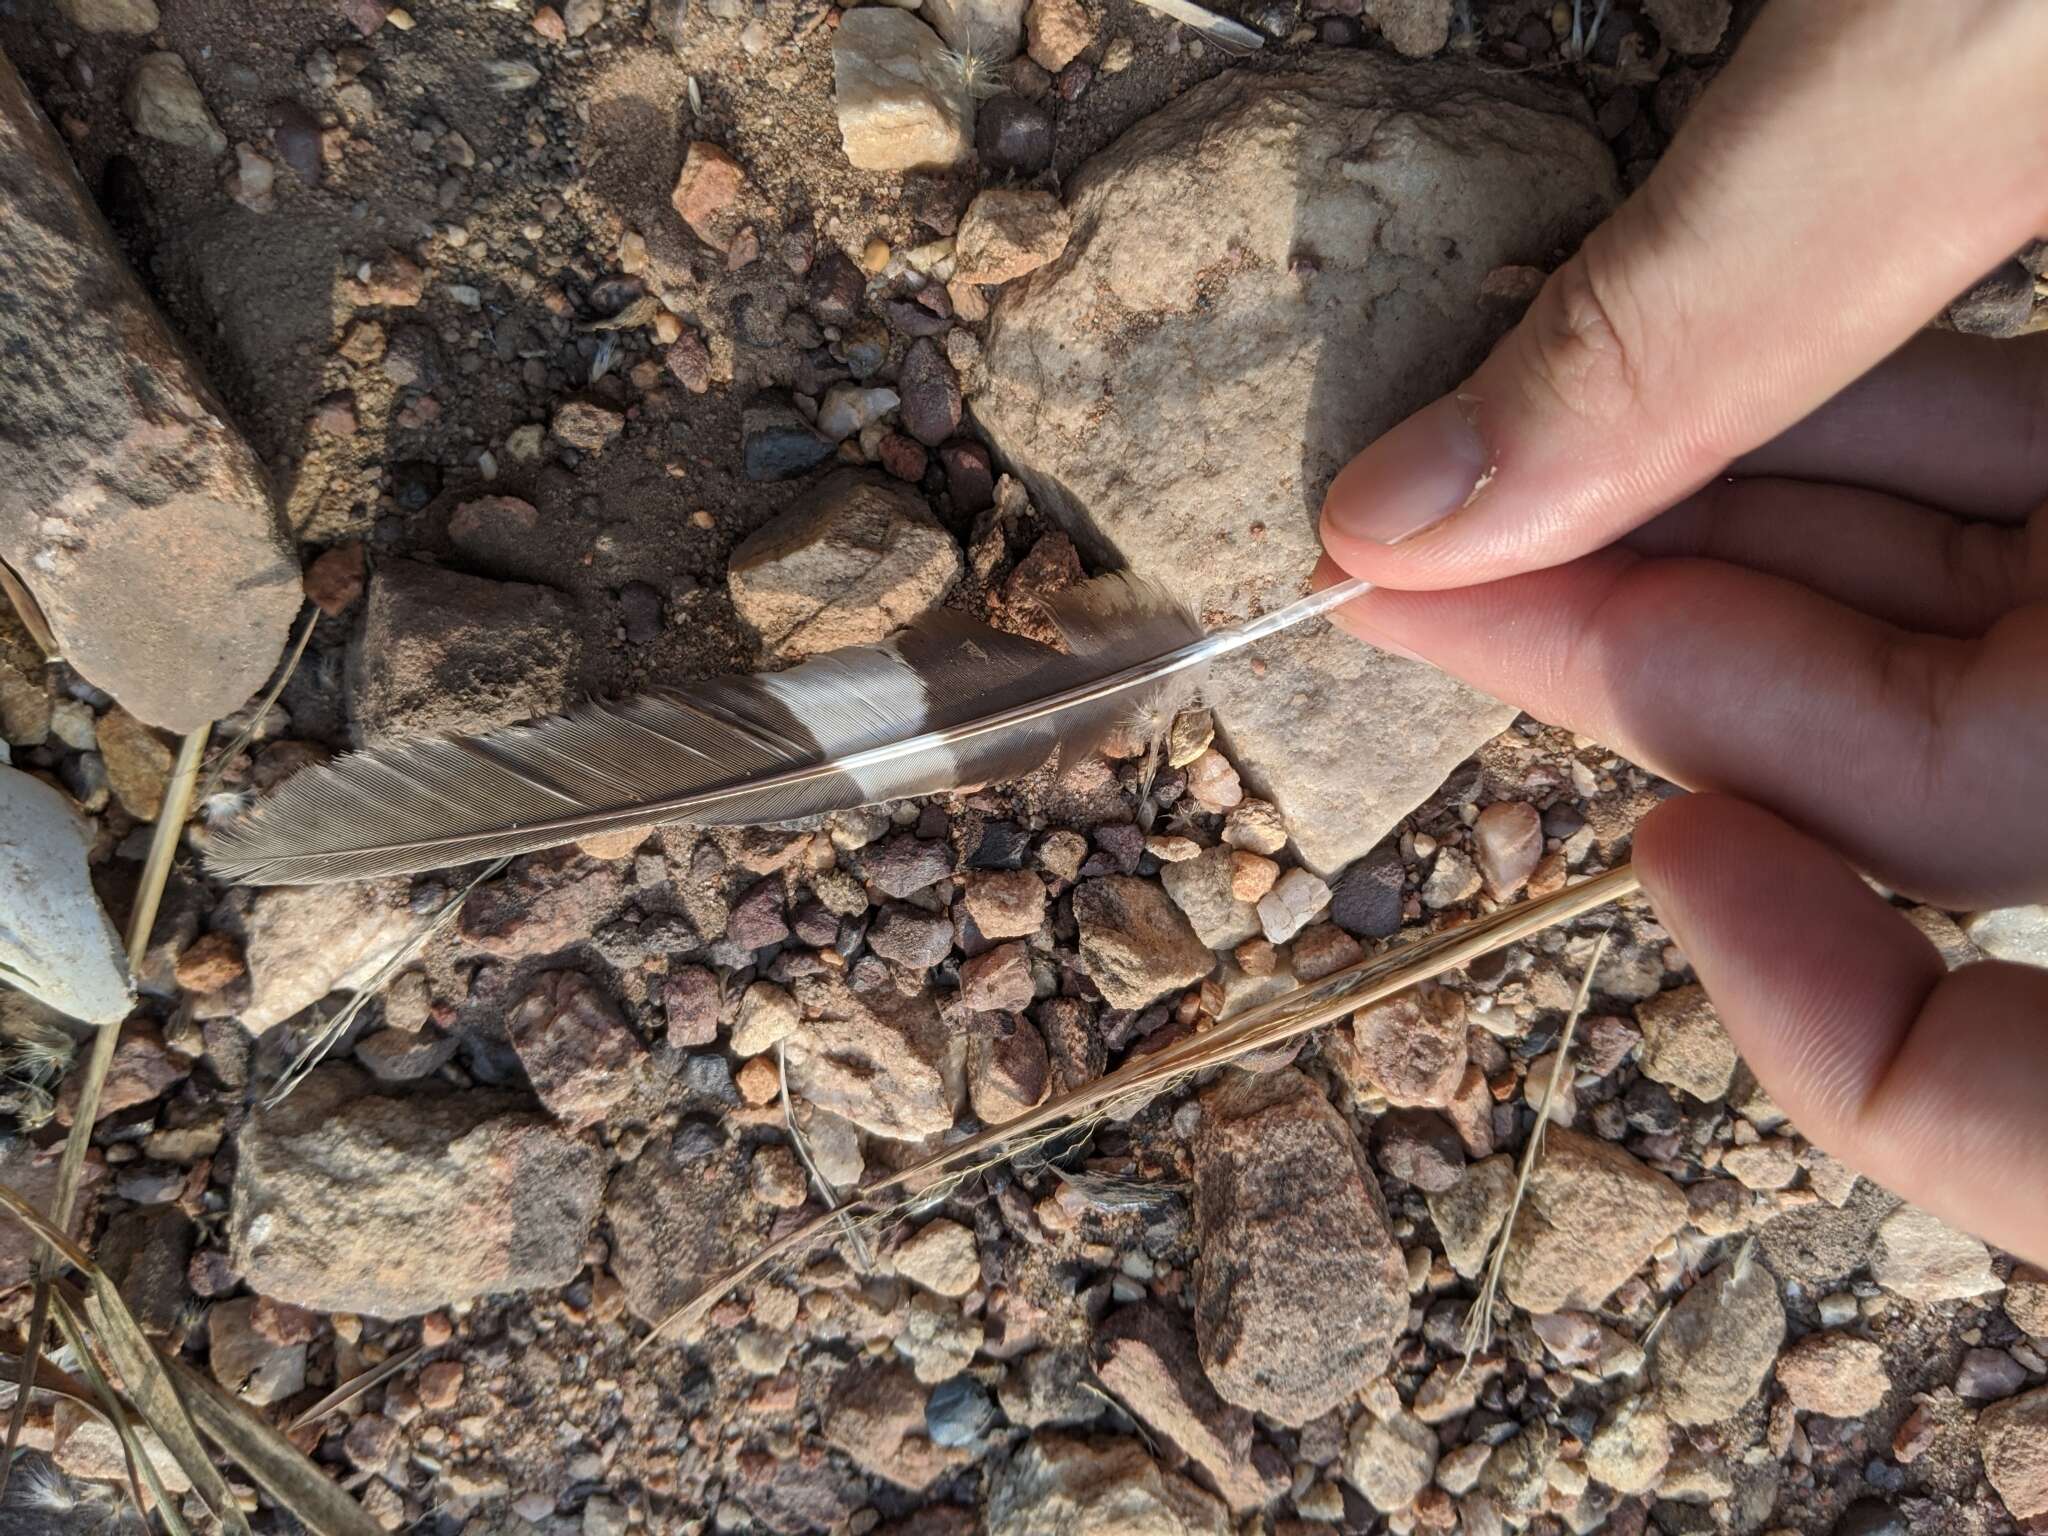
(1428, 467)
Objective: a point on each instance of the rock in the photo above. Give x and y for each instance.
(1147, 1358)
(768, 1014)
(903, 866)
(1684, 1045)
(1836, 1374)
(1134, 942)
(1288, 908)
(438, 651)
(910, 937)
(847, 409)
(335, 580)
(1418, 1148)
(1058, 31)
(1453, 880)
(1469, 1213)
(940, 1256)
(31, 1172)
(1366, 899)
(1918, 1256)
(931, 393)
(474, 1196)
(56, 942)
(1630, 1449)
(138, 763)
(708, 194)
(1007, 904)
(998, 980)
(2018, 934)
(137, 517)
(679, 1214)
(876, 1415)
(585, 425)
(305, 941)
(1517, 1475)
(2000, 303)
(690, 1001)
(2026, 1300)
(1509, 838)
(900, 101)
(757, 919)
(128, 18)
(211, 962)
(1007, 232)
(1984, 1374)
(1689, 26)
(247, 1357)
(777, 443)
(876, 1060)
(395, 1056)
(1049, 1389)
(1412, 1045)
(1013, 135)
(1059, 1485)
(1871, 1517)
(1009, 1070)
(2013, 1438)
(163, 102)
(959, 1412)
(1245, 175)
(85, 1446)
(1719, 1342)
(1390, 1460)
(857, 558)
(1591, 1216)
(574, 1045)
(1300, 1290)
(1417, 28)
(141, 1072)
(1202, 888)
(991, 29)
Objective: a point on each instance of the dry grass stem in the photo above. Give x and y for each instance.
(149, 895)
(826, 1192)
(1479, 1321)
(29, 611)
(325, 1035)
(1138, 1082)
(271, 695)
(355, 1387)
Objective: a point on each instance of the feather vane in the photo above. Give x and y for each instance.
(947, 702)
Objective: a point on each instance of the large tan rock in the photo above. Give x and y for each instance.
(1263, 277)
(2013, 1437)
(903, 104)
(1060, 1485)
(134, 512)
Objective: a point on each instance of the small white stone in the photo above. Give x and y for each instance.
(901, 106)
(1286, 909)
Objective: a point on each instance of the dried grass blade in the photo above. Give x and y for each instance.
(355, 1387)
(149, 895)
(56, 1382)
(1479, 1321)
(140, 1467)
(30, 612)
(277, 1466)
(1135, 1083)
(271, 695)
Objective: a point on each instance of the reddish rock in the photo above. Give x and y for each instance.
(575, 1046)
(210, 962)
(142, 1070)
(334, 581)
(708, 194)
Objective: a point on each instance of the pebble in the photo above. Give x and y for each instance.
(1719, 1342)
(334, 581)
(848, 409)
(689, 363)
(1058, 30)
(903, 865)
(574, 1045)
(1986, 1374)
(970, 475)
(1469, 1212)
(1918, 1256)
(1684, 1044)
(1366, 900)
(1007, 904)
(998, 981)
(690, 1001)
(941, 1257)
(163, 103)
(1412, 1045)
(2026, 1300)
(1630, 1449)
(1202, 888)
(1592, 1215)
(959, 1412)
(1419, 1148)
(1836, 1374)
(709, 190)
(1251, 875)
(931, 393)
(2013, 1439)
(768, 1014)
(1453, 880)
(1509, 840)
(1134, 941)
(777, 443)
(1006, 233)
(896, 110)
(137, 761)
(1390, 1460)
(1255, 826)
(1013, 136)
(1296, 899)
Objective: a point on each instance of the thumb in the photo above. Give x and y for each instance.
(1855, 166)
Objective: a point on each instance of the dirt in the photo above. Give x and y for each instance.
(561, 1421)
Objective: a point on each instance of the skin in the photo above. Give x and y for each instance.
(1720, 503)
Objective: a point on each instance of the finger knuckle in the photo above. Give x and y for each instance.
(1584, 343)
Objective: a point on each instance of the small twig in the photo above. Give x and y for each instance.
(149, 895)
(825, 1190)
(355, 1387)
(1479, 1321)
(270, 696)
(326, 1035)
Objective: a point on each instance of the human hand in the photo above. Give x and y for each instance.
(1851, 636)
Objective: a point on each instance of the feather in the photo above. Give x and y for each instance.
(947, 702)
